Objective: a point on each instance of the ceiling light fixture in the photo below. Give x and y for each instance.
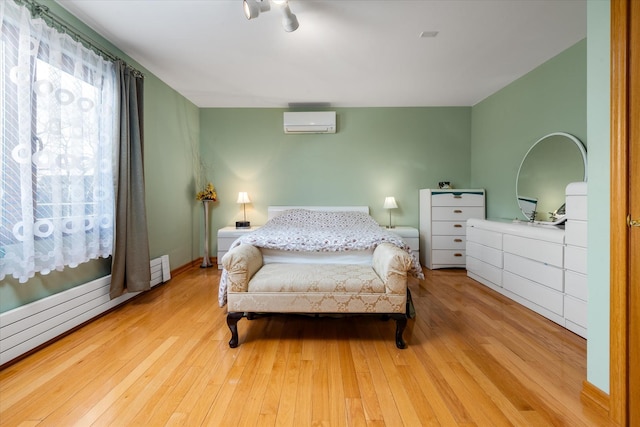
(289, 20)
(252, 9)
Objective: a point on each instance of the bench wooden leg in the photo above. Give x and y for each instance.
(232, 322)
(401, 323)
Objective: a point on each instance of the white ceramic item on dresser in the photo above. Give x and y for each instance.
(226, 237)
(443, 216)
(540, 266)
(575, 263)
(410, 236)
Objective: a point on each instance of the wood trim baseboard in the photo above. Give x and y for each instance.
(185, 267)
(595, 398)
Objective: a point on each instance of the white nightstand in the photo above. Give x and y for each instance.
(411, 237)
(226, 237)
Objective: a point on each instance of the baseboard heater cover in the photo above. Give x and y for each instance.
(29, 326)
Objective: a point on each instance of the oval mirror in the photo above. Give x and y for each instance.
(552, 162)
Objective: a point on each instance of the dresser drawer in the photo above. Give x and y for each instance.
(453, 198)
(448, 257)
(540, 295)
(448, 242)
(485, 254)
(484, 270)
(452, 213)
(546, 275)
(575, 233)
(575, 310)
(577, 207)
(486, 237)
(575, 284)
(538, 250)
(448, 228)
(575, 259)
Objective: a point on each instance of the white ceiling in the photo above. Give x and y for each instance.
(348, 53)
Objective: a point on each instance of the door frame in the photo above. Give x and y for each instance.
(625, 89)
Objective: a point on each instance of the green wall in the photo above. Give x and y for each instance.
(598, 267)
(172, 129)
(551, 98)
(376, 152)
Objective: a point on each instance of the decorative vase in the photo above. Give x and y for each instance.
(206, 261)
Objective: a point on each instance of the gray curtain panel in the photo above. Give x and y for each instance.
(130, 270)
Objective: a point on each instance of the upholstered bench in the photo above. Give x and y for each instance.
(255, 287)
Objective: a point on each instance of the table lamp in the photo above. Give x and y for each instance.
(390, 203)
(243, 198)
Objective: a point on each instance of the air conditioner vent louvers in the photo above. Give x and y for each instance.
(310, 122)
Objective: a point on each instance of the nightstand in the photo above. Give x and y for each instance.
(411, 237)
(226, 237)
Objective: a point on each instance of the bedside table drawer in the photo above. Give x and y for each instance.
(224, 243)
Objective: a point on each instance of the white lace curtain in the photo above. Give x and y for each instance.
(58, 127)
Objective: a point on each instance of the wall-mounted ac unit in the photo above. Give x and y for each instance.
(310, 122)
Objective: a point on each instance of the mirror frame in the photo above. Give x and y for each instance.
(576, 141)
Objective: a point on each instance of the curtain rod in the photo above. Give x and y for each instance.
(41, 11)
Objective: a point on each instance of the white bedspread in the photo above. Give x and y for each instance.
(301, 230)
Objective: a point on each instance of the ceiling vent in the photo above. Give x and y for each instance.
(310, 122)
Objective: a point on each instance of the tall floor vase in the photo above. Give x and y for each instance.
(206, 261)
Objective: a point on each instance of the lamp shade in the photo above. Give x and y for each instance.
(243, 197)
(390, 203)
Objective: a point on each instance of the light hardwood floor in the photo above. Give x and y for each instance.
(474, 358)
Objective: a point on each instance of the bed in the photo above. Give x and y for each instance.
(318, 260)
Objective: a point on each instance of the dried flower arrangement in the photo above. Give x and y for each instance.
(209, 193)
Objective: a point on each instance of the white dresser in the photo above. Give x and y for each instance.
(226, 237)
(539, 266)
(443, 216)
(575, 259)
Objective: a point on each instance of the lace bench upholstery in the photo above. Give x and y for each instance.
(254, 287)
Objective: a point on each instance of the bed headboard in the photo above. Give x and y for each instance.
(273, 211)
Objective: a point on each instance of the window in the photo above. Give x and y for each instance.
(57, 121)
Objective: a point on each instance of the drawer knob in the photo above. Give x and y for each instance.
(457, 196)
(457, 254)
(457, 211)
(457, 225)
(457, 240)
